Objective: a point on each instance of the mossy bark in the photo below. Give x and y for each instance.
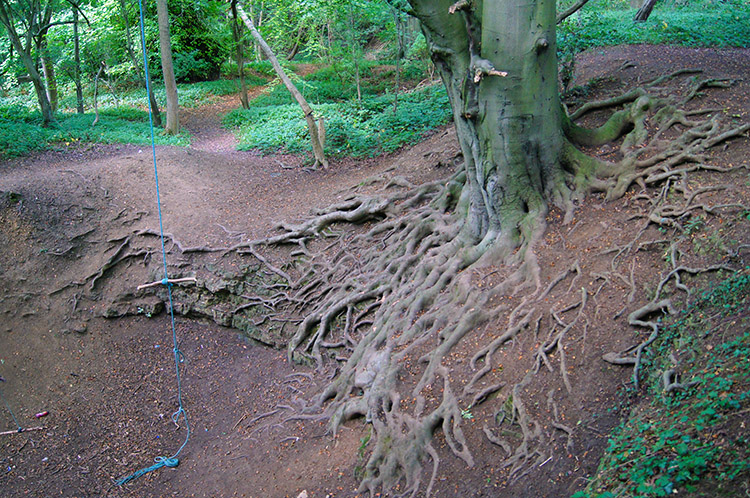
(499, 64)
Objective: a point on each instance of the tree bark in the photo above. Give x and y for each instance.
(355, 48)
(398, 20)
(173, 118)
(48, 68)
(239, 54)
(144, 80)
(312, 126)
(498, 62)
(645, 10)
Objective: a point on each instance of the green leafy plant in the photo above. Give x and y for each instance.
(687, 440)
(351, 129)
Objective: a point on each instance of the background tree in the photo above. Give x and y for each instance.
(138, 64)
(48, 63)
(239, 50)
(173, 118)
(77, 59)
(315, 127)
(645, 10)
(201, 38)
(33, 18)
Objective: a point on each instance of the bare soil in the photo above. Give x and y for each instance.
(109, 384)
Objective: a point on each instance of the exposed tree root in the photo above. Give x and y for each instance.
(384, 307)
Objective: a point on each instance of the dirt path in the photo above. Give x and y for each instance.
(204, 125)
(109, 385)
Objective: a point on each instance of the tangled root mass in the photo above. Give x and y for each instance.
(382, 307)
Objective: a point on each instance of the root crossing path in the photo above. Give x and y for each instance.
(491, 380)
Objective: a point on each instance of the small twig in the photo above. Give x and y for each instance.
(171, 281)
(283, 166)
(239, 421)
(21, 431)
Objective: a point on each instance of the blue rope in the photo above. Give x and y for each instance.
(161, 461)
(20, 429)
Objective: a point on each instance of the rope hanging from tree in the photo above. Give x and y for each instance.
(162, 461)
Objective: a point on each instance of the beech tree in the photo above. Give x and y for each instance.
(398, 307)
(384, 307)
(498, 61)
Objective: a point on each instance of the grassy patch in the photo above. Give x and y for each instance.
(352, 129)
(23, 133)
(190, 95)
(336, 83)
(706, 25)
(692, 440)
(123, 117)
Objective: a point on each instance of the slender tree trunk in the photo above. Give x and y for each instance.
(399, 55)
(297, 42)
(48, 115)
(354, 42)
(173, 117)
(645, 10)
(509, 125)
(29, 63)
(96, 94)
(312, 125)
(239, 54)
(256, 48)
(77, 62)
(48, 68)
(137, 66)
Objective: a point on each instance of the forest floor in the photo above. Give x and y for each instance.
(109, 384)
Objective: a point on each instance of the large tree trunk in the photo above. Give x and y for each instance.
(313, 127)
(173, 118)
(508, 125)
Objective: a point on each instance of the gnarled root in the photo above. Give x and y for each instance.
(385, 306)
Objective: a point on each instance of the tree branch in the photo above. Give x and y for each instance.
(570, 11)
